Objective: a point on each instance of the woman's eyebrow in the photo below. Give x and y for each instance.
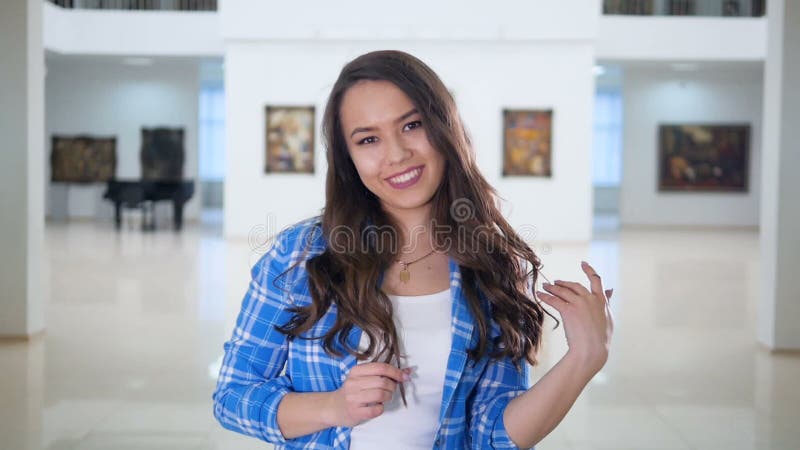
(399, 119)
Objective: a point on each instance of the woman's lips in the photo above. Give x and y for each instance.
(407, 178)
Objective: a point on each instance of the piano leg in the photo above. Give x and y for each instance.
(118, 214)
(177, 217)
(148, 216)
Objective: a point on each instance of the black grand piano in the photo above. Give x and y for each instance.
(162, 156)
(144, 193)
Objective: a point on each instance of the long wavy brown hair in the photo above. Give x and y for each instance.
(494, 260)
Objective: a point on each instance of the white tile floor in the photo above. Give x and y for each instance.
(136, 324)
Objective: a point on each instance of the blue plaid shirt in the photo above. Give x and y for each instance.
(252, 380)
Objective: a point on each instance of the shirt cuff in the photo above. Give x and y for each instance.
(269, 414)
(500, 438)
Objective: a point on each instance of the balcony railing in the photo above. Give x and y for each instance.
(142, 5)
(719, 8)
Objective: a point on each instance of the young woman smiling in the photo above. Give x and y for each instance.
(404, 315)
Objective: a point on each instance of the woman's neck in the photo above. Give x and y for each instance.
(415, 231)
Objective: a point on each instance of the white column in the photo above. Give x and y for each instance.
(779, 307)
(21, 168)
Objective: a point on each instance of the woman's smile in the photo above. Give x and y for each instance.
(407, 178)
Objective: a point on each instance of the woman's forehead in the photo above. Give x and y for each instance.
(372, 103)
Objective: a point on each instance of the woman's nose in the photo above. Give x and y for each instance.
(397, 152)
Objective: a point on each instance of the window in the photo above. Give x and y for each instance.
(607, 160)
(211, 139)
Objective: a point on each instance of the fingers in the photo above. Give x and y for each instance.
(594, 279)
(368, 387)
(559, 304)
(378, 369)
(371, 412)
(562, 292)
(577, 288)
(376, 382)
(570, 291)
(368, 396)
(372, 379)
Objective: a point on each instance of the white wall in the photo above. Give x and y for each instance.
(778, 308)
(105, 97)
(653, 96)
(485, 77)
(653, 38)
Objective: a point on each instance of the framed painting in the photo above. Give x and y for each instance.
(290, 139)
(83, 159)
(162, 154)
(527, 142)
(703, 157)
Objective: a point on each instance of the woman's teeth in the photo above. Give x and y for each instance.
(406, 176)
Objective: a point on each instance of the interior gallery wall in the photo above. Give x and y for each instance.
(106, 97)
(485, 77)
(654, 95)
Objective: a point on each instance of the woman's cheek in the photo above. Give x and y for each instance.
(372, 164)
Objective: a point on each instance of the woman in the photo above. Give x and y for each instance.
(404, 314)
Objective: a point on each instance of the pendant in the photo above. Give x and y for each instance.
(405, 275)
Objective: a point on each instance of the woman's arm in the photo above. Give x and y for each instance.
(361, 397)
(250, 385)
(301, 413)
(588, 326)
(531, 416)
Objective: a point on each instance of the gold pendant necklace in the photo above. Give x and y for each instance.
(405, 275)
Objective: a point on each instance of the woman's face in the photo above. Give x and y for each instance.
(389, 146)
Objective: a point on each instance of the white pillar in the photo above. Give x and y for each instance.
(21, 168)
(779, 306)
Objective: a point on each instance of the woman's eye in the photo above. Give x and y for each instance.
(416, 123)
(371, 139)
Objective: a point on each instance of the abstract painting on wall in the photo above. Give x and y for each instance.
(527, 142)
(83, 159)
(703, 157)
(162, 154)
(290, 139)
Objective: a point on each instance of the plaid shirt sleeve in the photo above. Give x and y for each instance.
(500, 383)
(250, 387)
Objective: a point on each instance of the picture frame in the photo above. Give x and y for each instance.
(289, 139)
(527, 142)
(703, 157)
(162, 154)
(83, 158)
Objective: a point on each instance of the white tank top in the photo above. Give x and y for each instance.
(423, 327)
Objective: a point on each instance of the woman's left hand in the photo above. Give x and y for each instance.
(587, 317)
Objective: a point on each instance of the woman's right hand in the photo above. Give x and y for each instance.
(362, 395)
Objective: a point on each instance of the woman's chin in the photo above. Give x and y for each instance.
(406, 204)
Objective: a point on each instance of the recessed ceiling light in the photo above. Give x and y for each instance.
(138, 61)
(684, 67)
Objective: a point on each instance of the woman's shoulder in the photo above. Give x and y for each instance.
(301, 239)
(304, 234)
